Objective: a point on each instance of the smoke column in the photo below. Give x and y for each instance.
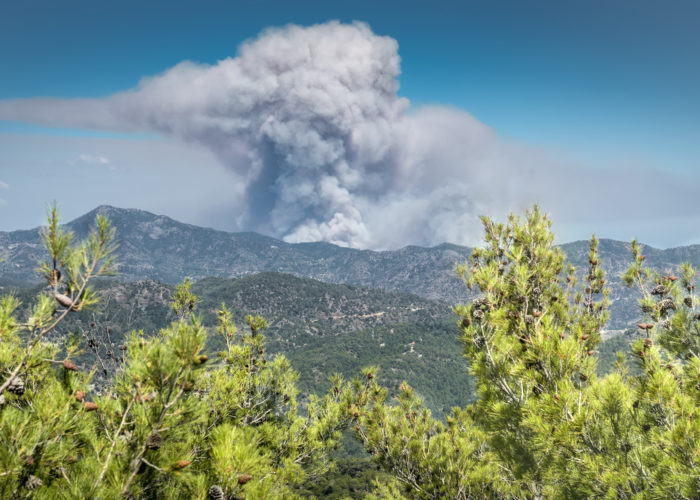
(309, 120)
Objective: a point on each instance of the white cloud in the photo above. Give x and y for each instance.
(91, 160)
(97, 160)
(4, 185)
(309, 119)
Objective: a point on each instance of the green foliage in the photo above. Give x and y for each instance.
(321, 328)
(349, 478)
(171, 423)
(184, 301)
(39, 421)
(545, 425)
(424, 355)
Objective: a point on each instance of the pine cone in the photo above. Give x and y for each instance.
(244, 478)
(181, 464)
(16, 386)
(70, 366)
(64, 300)
(154, 441)
(688, 301)
(659, 290)
(33, 483)
(90, 406)
(667, 304)
(216, 493)
(79, 396)
(482, 303)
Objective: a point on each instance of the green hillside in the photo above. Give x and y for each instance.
(322, 328)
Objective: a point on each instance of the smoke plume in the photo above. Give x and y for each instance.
(310, 121)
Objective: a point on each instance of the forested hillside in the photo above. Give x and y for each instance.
(322, 328)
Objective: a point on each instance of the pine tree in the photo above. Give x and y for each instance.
(174, 422)
(44, 415)
(544, 425)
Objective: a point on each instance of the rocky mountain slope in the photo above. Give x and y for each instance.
(159, 248)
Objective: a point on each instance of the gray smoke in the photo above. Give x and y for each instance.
(310, 121)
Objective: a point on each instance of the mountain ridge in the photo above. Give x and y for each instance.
(109, 210)
(160, 248)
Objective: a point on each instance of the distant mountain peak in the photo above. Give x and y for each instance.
(118, 212)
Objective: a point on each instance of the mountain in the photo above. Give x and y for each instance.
(159, 248)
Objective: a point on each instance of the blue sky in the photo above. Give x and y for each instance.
(609, 85)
